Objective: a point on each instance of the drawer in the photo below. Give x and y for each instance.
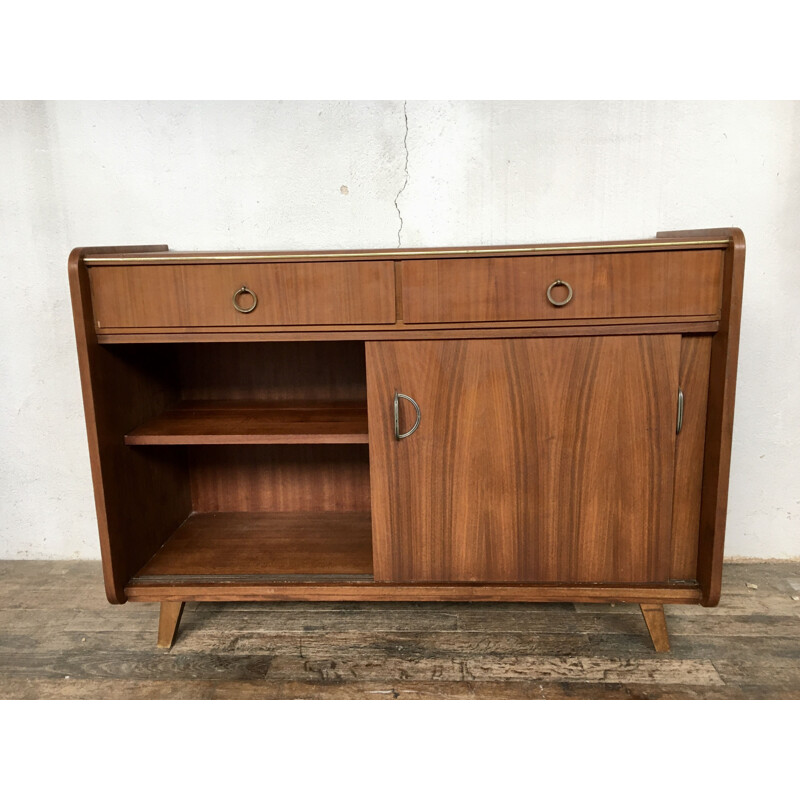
(661, 284)
(202, 295)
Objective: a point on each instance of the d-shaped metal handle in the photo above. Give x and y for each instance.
(397, 434)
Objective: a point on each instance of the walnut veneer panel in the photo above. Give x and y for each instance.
(719, 421)
(535, 460)
(266, 544)
(209, 590)
(250, 422)
(298, 477)
(178, 295)
(139, 497)
(663, 284)
(292, 373)
(689, 447)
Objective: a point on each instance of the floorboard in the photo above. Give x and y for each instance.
(60, 639)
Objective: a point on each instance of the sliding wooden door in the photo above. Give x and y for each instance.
(535, 460)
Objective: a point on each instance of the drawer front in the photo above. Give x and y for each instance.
(189, 296)
(663, 284)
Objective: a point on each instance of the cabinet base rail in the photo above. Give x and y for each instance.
(367, 591)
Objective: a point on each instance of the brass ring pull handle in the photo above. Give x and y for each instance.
(397, 434)
(553, 286)
(244, 290)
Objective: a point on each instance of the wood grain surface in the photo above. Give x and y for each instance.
(253, 422)
(719, 424)
(689, 447)
(253, 588)
(276, 372)
(653, 614)
(471, 330)
(288, 294)
(297, 477)
(535, 460)
(60, 639)
(620, 285)
(139, 497)
(266, 544)
(117, 256)
(168, 620)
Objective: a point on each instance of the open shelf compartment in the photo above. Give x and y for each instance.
(262, 475)
(267, 546)
(251, 393)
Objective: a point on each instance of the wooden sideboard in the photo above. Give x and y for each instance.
(531, 423)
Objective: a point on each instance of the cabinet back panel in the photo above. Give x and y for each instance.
(280, 478)
(275, 371)
(535, 460)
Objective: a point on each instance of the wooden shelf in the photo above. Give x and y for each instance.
(255, 546)
(253, 422)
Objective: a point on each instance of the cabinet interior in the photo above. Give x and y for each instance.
(265, 446)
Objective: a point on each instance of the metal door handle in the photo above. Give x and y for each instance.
(397, 434)
(679, 423)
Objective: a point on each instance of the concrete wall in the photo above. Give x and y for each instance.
(351, 174)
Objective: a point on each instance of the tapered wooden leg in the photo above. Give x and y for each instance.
(168, 620)
(653, 614)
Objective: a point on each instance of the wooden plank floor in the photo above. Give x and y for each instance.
(59, 638)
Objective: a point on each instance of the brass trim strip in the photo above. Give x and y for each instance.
(393, 254)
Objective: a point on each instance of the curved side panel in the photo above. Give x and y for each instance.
(719, 425)
(116, 393)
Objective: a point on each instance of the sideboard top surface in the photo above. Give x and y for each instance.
(121, 257)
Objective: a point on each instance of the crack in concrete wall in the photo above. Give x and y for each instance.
(405, 168)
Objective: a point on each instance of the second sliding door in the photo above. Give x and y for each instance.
(534, 460)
